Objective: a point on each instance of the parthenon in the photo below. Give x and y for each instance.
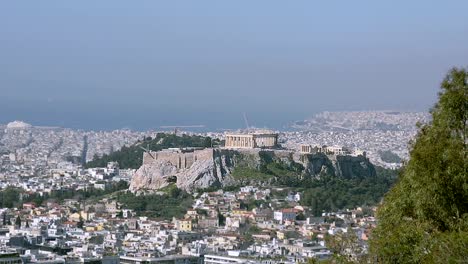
(258, 139)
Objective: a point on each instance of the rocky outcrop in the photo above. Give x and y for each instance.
(152, 176)
(354, 167)
(199, 169)
(317, 164)
(194, 169)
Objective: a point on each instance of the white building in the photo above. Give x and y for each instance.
(256, 139)
(213, 259)
(284, 215)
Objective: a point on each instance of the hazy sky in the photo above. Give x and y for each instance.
(141, 64)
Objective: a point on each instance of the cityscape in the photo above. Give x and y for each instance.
(223, 132)
(250, 224)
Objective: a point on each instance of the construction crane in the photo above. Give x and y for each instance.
(246, 122)
(176, 128)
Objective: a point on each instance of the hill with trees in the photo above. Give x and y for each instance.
(12, 197)
(324, 193)
(334, 193)
(424, 217)
(132, 157)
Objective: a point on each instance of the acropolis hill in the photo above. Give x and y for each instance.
(194, 168)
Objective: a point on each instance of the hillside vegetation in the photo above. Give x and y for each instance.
(12, 197)
(424, 218)
(324, 192)
(173, 202)
(132, 157)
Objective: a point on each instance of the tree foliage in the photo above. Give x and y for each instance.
(18, 222)
(326, 193)
(346, 247)
(14, 197)
(174, 203)
(330, 193)
(424, 218)
(10, 197)
(389, 156)
(132, 156)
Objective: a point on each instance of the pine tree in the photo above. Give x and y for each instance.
(120, 214)
(18, 222)
(424, 218)
(80, 223)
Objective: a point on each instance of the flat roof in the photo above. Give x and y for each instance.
(168, 257)
(271, 133)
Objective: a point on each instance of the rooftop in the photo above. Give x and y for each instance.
(251, 132)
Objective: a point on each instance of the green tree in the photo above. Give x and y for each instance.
(301, 217)
(18, 222)
(424, 218)
(132, 156)
(10, 197)
(316, 261)
(221, 219)
(120, 214)
(345, 247)
(80, 223)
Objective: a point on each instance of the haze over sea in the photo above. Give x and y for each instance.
(144, 119)
(113, 64)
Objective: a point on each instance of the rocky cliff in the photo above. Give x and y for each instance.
(194, 169)
(189, 170)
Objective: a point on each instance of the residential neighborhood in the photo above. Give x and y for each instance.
(252, 224)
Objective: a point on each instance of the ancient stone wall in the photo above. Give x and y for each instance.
(179, 159)
(213, 167)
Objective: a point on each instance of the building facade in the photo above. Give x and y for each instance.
(170, 259)
(285, 215)
(329, 150)
(10, 258)
(251, 140)
(214, 259)
(183, 224)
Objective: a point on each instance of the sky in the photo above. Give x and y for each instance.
(141, 64)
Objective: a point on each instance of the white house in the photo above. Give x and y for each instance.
(284, 215)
